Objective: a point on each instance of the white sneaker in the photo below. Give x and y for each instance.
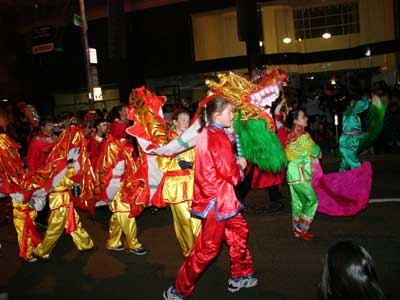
(234, 285)
(171, 294)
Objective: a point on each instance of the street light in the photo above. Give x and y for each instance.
(327, 35)
(287, 40)
(336, 119)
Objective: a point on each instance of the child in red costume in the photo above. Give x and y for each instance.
(217, 171)
(119, 123)
(96, 140)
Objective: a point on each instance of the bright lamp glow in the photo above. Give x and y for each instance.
(98, 94)
(368, 52)
(287, 40)
(327, 35)
(92, 55)
(336, 120)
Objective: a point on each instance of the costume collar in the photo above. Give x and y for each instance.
(228, 133)
(295, 134)
(213, 123)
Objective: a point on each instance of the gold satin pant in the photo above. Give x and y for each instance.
(187, 228)
(19, 224)
(121, 223)
(57, 223)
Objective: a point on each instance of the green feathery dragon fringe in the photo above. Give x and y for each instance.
(376, 115)
(259, 145)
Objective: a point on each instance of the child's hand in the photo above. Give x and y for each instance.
(242, 162)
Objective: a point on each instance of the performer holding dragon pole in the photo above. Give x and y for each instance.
(217, 171)
(178, 184)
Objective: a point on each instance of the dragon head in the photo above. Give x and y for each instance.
(145, 110)
(251, 98)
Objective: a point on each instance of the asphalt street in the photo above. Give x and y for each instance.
(287, 268)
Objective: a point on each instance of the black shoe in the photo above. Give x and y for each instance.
(119, 248)
(276, 206)
(138, 251)
(41, 226)
(32, 259)
(255, 210)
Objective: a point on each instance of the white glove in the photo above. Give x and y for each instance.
(17, 197)
(40, 193)
(38, 203)
(38, 200)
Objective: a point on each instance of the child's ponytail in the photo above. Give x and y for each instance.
(203, 117)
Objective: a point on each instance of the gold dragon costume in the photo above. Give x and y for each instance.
(120, 184)
(67, 164)
(12, 174)
(161, 150)
(253, 123)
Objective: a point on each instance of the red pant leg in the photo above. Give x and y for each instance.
(206, 248)
(236, 234)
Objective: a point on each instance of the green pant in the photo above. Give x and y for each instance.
(348, 146)
(304, 200)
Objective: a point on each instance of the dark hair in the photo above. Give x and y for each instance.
(216, 104)
(45, 120)
(349, 273)
(292, 116)
(179, 112)
(114, 113)
(97, 122)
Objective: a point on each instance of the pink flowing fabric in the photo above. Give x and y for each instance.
(342, 193)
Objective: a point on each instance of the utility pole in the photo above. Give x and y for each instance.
(86, 54)
(250, 31)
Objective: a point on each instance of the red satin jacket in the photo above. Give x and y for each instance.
(118, 129)
(38, 150)
(216, 173)
(94, 148)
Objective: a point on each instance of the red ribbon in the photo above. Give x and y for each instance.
(71, 224)
(29, 231)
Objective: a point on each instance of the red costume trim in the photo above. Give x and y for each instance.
(29, 231)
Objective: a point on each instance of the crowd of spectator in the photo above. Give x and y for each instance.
(322, 105)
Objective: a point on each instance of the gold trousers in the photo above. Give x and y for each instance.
(186, 227)
(121, 223)
(20, 213)
(57, 223)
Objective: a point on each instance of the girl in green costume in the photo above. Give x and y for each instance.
(350, 139)
(300, 150)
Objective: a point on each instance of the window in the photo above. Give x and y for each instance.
(338, 19)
